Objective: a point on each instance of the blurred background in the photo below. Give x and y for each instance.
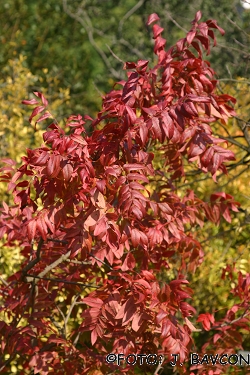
(80, 45)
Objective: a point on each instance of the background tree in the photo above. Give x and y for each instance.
(78, 41)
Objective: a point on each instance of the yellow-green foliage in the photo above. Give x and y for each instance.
(228, 243)
(15, 85)
(16, 133)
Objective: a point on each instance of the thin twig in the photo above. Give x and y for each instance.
(236, 143)
(32, 263)
(60, 281)
(176, 23)
(235, 24)
(4, 282)
(129, 14)
(159, 367)
(99, 260)
(115, 56)
(234, 177)
(131, 48)
(82, 17)
(245, 313)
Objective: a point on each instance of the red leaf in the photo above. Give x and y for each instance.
(156, 128)
(30, 102)
(92, 219)
(129, 263)
(67, 171)
(43, 117)
(206, 320)
(190, 36)
(127, 311)
(143, 282)
(135, 237)
(191, 326)
(137, 176)
(53, 166)
(138, 195)
(31, 229)
(40, 95)
(42, 227)
(135, 166)
(167, 125)
(93, 302)
(143, 133)
(36, 111)
(157, 30)
(198, 16)
(207, 156)
(137, 321)
(101, 227)
(42, 158)
(160, 316)
(78, 139)
(152, 18)
(164, 207)
(131, 114)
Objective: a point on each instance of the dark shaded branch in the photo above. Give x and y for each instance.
(60, 281)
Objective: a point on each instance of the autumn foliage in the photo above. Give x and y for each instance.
(95, 235)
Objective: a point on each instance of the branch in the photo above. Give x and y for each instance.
(244, 129)
(236, 143)
(115, 56)
(32, 263)
(243, 315)
(58, 241)
(73, 304)
(82, 17)
(128, 14)
(99, 260)
(55, 264)
(237, 26)
(159, 367)
(234, 80)
(131, 48)
(234, 177)
(4, 282)
(31, 277)
(176, 23)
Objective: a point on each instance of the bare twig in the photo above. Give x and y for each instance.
(4, 281)
(175, 22)
(129, 13)
(234, 177)
(58, 241)
(31, 277)
(73, 304)
(159, 367)
(131, 48)
(115, 56)
(237, 26)
(82, 17)
(33, 262)
(231, 140)
(243, 315)
(234, 80)
(99, 260)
